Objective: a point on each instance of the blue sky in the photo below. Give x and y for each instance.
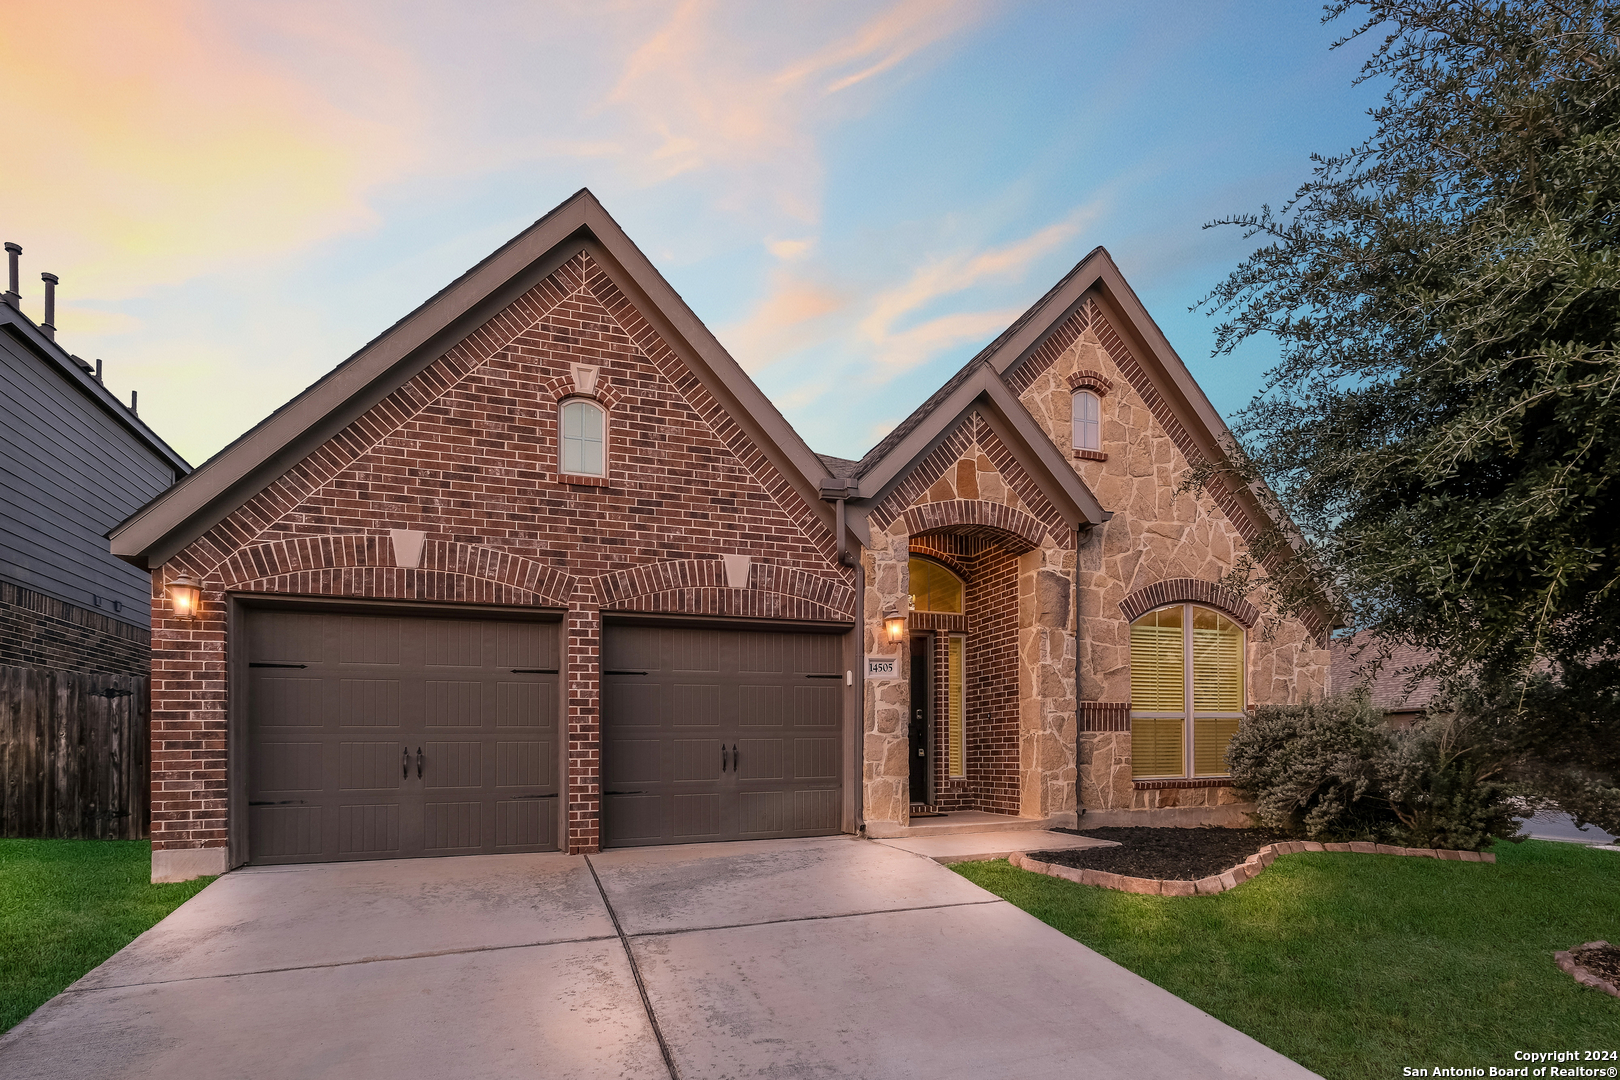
(854, 196)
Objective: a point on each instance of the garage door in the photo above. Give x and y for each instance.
(719, 735)
(386, 737)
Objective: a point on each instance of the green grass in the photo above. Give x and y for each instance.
(67, 905)
(1360, 965)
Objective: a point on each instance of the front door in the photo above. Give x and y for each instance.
(922, 752)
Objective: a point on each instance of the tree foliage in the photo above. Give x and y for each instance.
(1444, 424)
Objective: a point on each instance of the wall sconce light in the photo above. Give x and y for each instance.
(185, 596)
(895, 624)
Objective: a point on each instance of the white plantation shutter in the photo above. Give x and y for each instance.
(1156, 746)
(1158, 675)
(1211, 736)
(1217, 648)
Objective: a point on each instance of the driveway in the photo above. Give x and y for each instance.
(795, 958)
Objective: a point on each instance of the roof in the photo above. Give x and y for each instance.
(81, 375)
(1386, 669)
(230, 478)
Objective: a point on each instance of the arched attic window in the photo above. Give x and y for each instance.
(1187, 691)
(583, 427)
(1087, 420)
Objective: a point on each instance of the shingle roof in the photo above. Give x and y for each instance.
(1387, 670)
(840, 468)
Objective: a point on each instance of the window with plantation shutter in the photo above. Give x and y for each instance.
(582, 426)
(1188, 691)
(934, 588)
(1158, 681)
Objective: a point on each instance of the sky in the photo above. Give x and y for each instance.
(854, 196)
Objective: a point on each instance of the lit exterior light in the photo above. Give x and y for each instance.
(185, 596)
(895, 624)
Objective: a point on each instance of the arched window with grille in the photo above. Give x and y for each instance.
(1188, 688)
(583, 424)
(1087, 420)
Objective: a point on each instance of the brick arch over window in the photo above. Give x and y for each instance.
(355, 565)
(698, 587)
(561, 387)
(921, 546)
(1189, 591)
(974, 516)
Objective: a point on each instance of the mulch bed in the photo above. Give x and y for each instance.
(1170, 854)
(1602, 961)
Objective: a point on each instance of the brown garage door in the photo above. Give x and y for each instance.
(719, 735)
(387, 737)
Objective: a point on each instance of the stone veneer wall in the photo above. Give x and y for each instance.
(466, 452)
(1156, 534)
(1021, 725)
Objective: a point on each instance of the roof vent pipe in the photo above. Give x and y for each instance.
(49, 325)
(12, 297)
(98, 369)
(134, 400)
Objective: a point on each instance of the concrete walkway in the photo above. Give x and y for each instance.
(800, 958)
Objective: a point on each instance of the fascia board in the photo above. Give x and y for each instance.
(921, 439)
(730, 383)
(1052, 472)
(1011, 422)
(22, 328)
(1060, 305)
(144, 532)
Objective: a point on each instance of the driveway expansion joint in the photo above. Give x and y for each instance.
(635, 972)
(812, 918)
(341, 963)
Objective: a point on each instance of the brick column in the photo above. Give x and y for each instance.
(583, 646)
(188, 797)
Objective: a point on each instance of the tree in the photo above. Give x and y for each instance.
(1444, 424)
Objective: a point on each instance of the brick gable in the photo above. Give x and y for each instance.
(466, 453)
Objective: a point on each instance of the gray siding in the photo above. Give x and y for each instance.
(69, 472)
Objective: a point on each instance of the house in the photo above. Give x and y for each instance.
(1392, 675)
(541, 568)
(74, 620)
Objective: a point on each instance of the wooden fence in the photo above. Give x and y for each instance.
(73, 754)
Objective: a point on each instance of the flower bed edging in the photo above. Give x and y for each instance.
(1566, 960)
(1237, 875)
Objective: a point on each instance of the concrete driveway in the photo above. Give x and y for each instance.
(798, 958)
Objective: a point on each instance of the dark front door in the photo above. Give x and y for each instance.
(719, 735)
(922, 751)
(386, 737)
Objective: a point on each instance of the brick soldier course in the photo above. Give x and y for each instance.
(424, 475)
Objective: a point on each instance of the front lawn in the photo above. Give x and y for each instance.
(67, 905)
(1362, 965)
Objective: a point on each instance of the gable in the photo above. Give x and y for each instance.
(481, 311)
(466, 453)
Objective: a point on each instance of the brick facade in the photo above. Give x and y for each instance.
(466, 452)
(42, 632)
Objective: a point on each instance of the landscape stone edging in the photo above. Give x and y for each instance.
(1566, 960)
(1238, 874)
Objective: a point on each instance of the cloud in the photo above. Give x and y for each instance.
(698, 98)
(791, 317)
(160, 147)
(897, 346)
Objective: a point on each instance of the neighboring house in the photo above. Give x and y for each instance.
(541, 568)
(74, 461)
(1391, 675)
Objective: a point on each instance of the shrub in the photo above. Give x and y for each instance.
(1336, 770)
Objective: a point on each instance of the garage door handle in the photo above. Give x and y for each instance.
(736, 758)
(406, 770)
(419, 763)
(722, 757)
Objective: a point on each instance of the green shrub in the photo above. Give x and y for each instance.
(1336, 770)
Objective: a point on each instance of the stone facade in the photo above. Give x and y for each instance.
(466, 453)
(971, 505)
(1157, 534)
